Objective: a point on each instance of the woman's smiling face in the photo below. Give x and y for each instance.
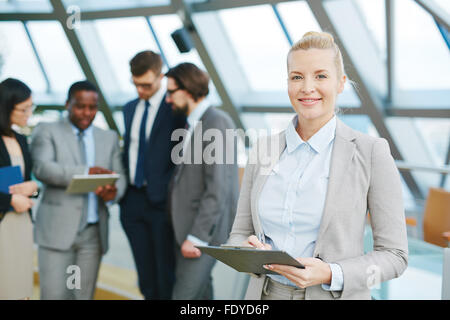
(314, 83)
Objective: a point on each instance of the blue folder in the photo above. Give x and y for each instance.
(9, 176)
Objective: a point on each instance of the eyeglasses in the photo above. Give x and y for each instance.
(29, 109)
(145, 86)
(171, 92)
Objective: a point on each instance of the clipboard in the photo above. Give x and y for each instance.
(250, 260)
(84, 183)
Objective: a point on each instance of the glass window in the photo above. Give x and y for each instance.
(164, 25)
(17, 59)
(374, 14)
(422, 58)
(444, 4)
(260, 46)
(298, 19)
(436, 134)
(122, 39)
(25, 6)
(58, 59)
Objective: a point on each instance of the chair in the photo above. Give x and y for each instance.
(436, 219)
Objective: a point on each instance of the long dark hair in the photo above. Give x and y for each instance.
(12, 92)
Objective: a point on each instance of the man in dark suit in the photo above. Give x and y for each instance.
(204, 190)
(149, 123)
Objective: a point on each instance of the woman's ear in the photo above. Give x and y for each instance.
(341, 83)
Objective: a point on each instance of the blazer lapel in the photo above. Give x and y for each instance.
(72, 142)
(341, 157)
(273, 150)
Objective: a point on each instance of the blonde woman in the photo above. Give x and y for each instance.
(313, 198)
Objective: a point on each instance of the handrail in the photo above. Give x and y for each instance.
(403, 165)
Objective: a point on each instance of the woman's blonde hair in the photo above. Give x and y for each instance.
(320, 40)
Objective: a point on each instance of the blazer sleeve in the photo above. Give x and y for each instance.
(389, 258)
(217, 182)
(45, 166)
(117, 166)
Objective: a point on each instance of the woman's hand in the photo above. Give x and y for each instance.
(316, 272)
(26, 188)
(188, 250)
(253, 241)
(21, 203)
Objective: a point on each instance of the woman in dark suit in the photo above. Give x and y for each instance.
(16, 232)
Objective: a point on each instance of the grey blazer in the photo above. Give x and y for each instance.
(363, 177)
(56, 158)
(204, 196)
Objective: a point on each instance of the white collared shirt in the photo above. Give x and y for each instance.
(155, 102)
(293, 198)
(89, 144)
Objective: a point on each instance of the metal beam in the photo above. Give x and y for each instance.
(227, 4)
(26, 16)
(436, 11)
(418, 113)
(126, 13)
(371, 104)
(72, 37)
(186, 16)
(277, 109)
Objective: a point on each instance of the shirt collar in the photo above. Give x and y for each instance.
(197, 113)
(87, 132)
(156, 99)
(319, 141)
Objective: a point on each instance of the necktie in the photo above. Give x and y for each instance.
(139, 177)
(81, 145)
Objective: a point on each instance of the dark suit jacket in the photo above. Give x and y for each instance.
(5, 199)
(158, 164)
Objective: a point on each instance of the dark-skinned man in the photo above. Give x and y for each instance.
(71, 230)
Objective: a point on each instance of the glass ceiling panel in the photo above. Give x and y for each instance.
(374, 13)
(164, 25)
(122, 39)
(25, 6)
(18, 58)
(422, 59)
(436, 134)
(90, 5)
(444, 4)
(259, 44)
(60, 63)
(298, 19)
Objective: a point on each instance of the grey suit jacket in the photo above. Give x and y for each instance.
(363, 177)
(204, 196)
(56, 158)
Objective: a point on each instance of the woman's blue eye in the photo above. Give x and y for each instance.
(296, 77)
(322, 76)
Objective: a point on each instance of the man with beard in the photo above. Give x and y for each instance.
(203, 193)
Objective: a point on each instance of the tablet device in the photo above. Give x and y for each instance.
(249, 259)
(82, 183)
